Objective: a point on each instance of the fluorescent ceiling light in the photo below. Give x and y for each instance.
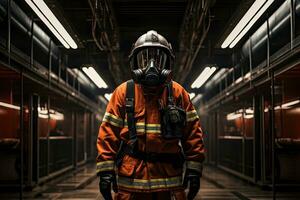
(43, 116)
(247, 21)
(102, 99)
(248, 116)
(81, 77)
(277, 108)
(57, 116)
(286, 105)
(49, 19)
(243, 22)
(250, 24)
(192, 95)
(233, 116)
(95, 77)
(249, 111)
(202, 78)
(107, 96)
(247, 75)
(197, 98)
(239, 80)
(7, 105)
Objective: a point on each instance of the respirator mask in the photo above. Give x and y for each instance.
(151, 67)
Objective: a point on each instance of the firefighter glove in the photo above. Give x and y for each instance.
(107, 182)
(192, 182)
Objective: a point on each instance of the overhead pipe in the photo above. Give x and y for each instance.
(278, 22)
(23, 22)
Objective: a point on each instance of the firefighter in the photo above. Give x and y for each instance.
(150, 142)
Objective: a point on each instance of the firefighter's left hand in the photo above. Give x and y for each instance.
(192, 182)
(107, 182)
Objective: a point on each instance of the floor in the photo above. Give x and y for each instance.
(215, 185)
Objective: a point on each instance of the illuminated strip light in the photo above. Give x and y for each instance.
(203, 77)
(46, 15)
(94, 76)
(250, 24)
(43, 116)
(233, 116)
(249, 111)
(248, 116)
(247, 76)
(239, 80)
(57, 116)
(277, 108)
(243, 22)
(192, 95)
(197, 98)
(287, 105)
(7, 105)
(107, 96)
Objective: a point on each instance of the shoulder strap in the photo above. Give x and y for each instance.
(130, 111)
(170, 93)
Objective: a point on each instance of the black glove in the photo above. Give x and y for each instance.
(192, 178)
(107, 179)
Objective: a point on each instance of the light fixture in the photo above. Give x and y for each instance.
(233, 116)
(49, 19)
(239, 80)
(197, 98)
(56, 115)
(107, 96)
(277, 108)
(291, 103)
(248, 116)
(7, 105)
(94, 76)
(247, 76)
(247, 21)
(249, 111)
(250, 24)
(203, 77)
(192, 95)
(81, 77)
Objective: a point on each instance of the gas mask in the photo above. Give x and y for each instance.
(151, 67)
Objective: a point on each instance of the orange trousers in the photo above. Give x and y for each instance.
(166, 195)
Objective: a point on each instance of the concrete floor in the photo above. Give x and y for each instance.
(215, 185)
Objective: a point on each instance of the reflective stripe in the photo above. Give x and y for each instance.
(191, 115)
(194, 165)
(113, 120)
(147, 128)
(150, 184)
(105, 166)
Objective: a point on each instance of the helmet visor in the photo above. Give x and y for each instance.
(157, 55)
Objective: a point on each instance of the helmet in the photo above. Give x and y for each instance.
(151, 59)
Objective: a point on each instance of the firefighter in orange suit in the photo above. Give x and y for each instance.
(150, 132)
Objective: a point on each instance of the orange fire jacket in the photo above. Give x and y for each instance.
(137, 175)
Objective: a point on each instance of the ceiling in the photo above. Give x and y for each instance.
(132, 18)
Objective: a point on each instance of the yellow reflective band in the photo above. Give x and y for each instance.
(105, 166)
(148, 128)
(150, 184)
(113, 120)
(191, 115)
(194, 165)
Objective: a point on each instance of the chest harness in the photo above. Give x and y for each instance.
(172, 125)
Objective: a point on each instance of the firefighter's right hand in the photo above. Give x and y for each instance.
(192, 181)
(107, 182)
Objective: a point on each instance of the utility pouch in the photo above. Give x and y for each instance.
(173, 120)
